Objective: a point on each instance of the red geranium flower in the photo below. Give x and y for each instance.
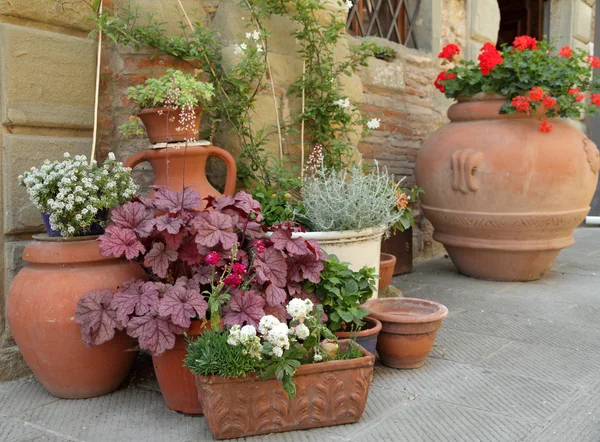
(525, 42)
(536, 94)
(489, 58)
(545, 126)
(593, 61)
(548, 102)
(521, 104)
(574, 91)
(579, 97)
(441, 77)
(595, 98)
(566, 52)
(449, 51)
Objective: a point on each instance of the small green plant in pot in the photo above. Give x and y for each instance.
(170, 106)
(342, 292)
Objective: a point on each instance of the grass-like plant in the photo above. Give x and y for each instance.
(350, 200)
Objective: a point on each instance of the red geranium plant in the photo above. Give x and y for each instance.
(199, 263)
(535, 78)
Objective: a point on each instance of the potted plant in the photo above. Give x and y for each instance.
(171, 112)
(279, 376)
(43, 296)
(509, 178)
(409, 328)
(342, 291)
(197, 264)
(170, 107)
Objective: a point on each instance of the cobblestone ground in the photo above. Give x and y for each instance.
(513, 362)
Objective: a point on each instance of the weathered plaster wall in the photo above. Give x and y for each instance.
(47, 67)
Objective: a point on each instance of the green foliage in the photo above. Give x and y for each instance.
(407, 219)
(342, 291)
(133, 128)
(211, 355)
(282, 205)
(172, 89)
(521, 71)
(380, 52)
(351, 351)
(350, 200)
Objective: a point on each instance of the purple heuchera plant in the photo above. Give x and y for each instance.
(189, 254)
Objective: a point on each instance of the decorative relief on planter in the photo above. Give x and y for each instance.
(330, 393)
(593, 155)
(464, 166)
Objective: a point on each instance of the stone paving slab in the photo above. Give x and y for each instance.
(512, 362)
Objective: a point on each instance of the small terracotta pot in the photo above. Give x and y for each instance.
(327, 393)
(409, 327)
(176, 382)
(366, 337)
(162, 123)
(41, 313)
(387, 263)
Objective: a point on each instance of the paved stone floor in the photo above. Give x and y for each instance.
(513, 362)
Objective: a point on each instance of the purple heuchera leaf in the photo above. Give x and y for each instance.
(274, 295)
(173, 202)
(96, 318)
(182, 305)
(135, 216)
(276, 310)
(270, 266)
(174, 241)
(244, 308)
(159, 258)
(305, 267)
(137, 297)
(213, 228)
(118, 241)
(282, 240)
(203, 274)
(189, 254)
(171, 224)
(153, 333)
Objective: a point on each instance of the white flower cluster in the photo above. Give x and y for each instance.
(374, 123)
(299, 309)
(73, 192)
(276, 333)
(343, 103)
(347, 5)
(253, 38)
(245, 336)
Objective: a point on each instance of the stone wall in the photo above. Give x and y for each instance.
(47, 71)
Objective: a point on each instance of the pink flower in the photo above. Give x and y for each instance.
(233, 280)
(212, 258)
(259, 245)
(238, 269)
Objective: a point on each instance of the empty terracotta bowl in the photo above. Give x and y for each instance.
(387, 263)
(409, 327)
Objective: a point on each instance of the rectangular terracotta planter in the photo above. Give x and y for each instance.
(328, 393)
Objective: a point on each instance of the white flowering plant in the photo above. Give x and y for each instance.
(274, 348)
(75, 195)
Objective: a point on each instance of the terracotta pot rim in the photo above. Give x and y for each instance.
(152, 110)
(386, 259)
(64, 252)
(430, 311)
(367, 360)
(364, 332)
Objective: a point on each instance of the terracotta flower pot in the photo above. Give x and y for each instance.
(409, 327)
(400, 245)
(181, 166)
(387, 263)
(366, 337)
(504, 197)
(162, 124)
(41, 315)
(327, 393)
(176, 382)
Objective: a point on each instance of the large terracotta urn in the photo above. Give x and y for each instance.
(504, 197)
(178, 166)
(41, 314)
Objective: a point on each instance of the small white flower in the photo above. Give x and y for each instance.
(111, 156)
(248, 35)
(301, 331)
(66, 155)
(347, 5)
(234, 336)
(374, 123)
(259, 48)
(256, 35)
(299, 309)
(266, 323)
(71, 229)
(240, 48)
(317, 357)
(277, 351)
(342, 103)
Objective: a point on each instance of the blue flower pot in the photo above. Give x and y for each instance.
(94, 229)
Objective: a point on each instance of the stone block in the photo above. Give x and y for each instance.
(169, 13)
(20, 153)
(286, 69)
(582, 21)
(69, 14)
(383, 74)
(47, 79)
(484, 19)
(12, 364)
(13, 250)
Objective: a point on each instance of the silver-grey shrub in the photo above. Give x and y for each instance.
(350, 200)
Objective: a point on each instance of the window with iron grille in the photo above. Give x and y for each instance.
(389, 19)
